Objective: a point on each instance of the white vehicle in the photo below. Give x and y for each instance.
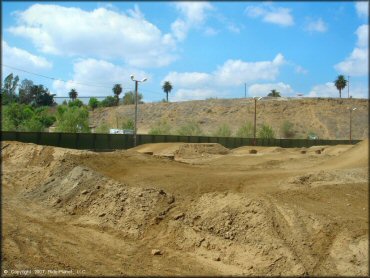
(115, 131)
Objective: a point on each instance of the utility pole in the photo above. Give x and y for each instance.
(245, 90)
(255, 119)
(348, 86)
(136, 98)
(350, 124)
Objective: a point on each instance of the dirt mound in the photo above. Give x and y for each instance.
(164, 149)
(324, 177)
(196, 150)
(356, 156)
(276, 213)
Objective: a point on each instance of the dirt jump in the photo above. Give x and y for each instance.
(185, 209)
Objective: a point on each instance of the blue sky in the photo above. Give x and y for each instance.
(205, 49)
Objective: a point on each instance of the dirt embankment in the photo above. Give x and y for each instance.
(205, 211)
(327, 117)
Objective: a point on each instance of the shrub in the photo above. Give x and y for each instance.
(190, 129)
(223, 131)
(72, 119)
(93, 103)
(160, 128)
(246, 131)
(129, 124)
(287, 129)
(108, 102)
(75, 103)
(103, 128)
(266, 132)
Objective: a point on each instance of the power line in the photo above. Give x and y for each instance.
(58, 79)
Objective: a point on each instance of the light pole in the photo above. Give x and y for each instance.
(350, 123)
(348, 86)
(255, 119)
(136, 97)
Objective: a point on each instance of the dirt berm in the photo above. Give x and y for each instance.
(209, 211)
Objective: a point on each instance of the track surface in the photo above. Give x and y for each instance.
(277, 212)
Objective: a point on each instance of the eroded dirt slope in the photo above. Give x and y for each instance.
(208, 210)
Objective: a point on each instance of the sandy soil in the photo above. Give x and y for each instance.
(185, 209)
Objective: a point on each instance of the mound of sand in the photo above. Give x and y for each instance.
(196, 150)
(355, 156)
(247, 231)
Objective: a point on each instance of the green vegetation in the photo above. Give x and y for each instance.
(94, 103)
(287, 129)
(117, 90)
(245, 131)
(102, 128)
(160, 128)
(22, 117)
(167, 88)
(129, 124)
(340, 83)
(73, 94)
(274, 93)
(129, 98)
(109, 101)
(266, 132)
(190, 129)
(72, 119)
(223, 131)
(75, 103)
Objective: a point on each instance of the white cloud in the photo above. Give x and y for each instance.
(193, 94)
(271, 14)
(362, 9)
(357, 62)
(236, 72)
(265, 89)
(100, 33)
(192, 14)
(100, 73)
(329, 90)
(231, 74)
(189, 79)
(300, 69)
(317, 26)
(19, 58)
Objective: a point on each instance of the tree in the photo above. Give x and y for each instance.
(117, 90)
(25, 93)
(22, 117)
(41, 96)
(129, 124)
(9, 88)
(274, 93)
(167, 88)
(108, 102)
(340, 83)
(93, 103)
(266, 132)
(129, 98)
(73, 94)
(72, 119)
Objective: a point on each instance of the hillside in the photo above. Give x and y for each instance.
(327, 117)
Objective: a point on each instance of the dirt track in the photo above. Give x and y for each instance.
(210, 211)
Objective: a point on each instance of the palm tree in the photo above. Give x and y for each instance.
(340, 83)
(167, 88)
(274, 93)
(73, 94)
(117, 90)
